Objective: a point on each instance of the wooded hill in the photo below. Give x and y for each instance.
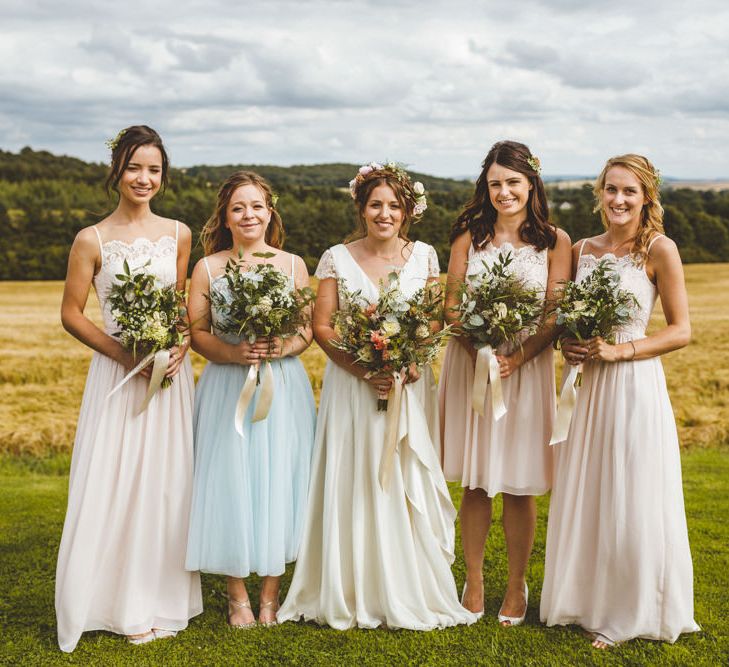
(46, 199)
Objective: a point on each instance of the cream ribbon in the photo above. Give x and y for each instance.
(392, 423)
(265, 396)
(160, 361)
(487, 370)
(567, 400)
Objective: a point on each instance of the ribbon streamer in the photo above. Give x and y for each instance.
(160, 361)
(392, 423)
(487, 371)
(567, 400)
(265, 396)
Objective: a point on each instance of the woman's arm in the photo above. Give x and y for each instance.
(664, 263)
(204, 342)
(560, 270)
(184, 242)
(83, 260)
(327, 302)
(457, 266)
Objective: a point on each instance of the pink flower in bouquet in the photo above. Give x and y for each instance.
(379, 340)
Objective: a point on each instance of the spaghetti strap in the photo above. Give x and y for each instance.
(101, 245)
(653, 240)
(293, 257)
(177, 229)
(582, 247)
(207, 268)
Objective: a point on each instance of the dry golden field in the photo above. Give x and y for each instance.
(43, 369)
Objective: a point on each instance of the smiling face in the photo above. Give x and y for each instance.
(247, 214)
(508, 190)
(622, 197)
(142, 178)
(383, 214)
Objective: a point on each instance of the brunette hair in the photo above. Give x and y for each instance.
(651, 216)
(479, 215)
(404, 194)
(122, 150)
(215, 236)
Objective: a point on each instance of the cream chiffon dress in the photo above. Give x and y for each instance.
(370, 557)
(617, 557)
(511, 455)
(121, 563)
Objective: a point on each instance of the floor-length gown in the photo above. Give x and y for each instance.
(371, 557)
(617, 557)
(512, 454)
(121, 563)
(249, 493)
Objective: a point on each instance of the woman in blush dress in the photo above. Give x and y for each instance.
(250, 490)
(121, 563)
(507, 214)
(369, 556)
(617, 559)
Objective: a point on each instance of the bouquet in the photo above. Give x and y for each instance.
(496, 308)
(392, 334)
(261, 304)
(150, 318)
(595, 306)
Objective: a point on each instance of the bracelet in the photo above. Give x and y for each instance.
(633, 344)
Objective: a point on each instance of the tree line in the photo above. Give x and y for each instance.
(46, 199)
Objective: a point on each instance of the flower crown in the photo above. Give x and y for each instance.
(111, 144)
(658, 177)
(415, 190)
(534, 163)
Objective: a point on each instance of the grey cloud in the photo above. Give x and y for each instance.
(201, 54)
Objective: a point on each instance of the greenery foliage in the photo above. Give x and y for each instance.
(46, 199)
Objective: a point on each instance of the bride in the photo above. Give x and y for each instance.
(371, 557)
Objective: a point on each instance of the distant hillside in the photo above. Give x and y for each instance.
(46, 199)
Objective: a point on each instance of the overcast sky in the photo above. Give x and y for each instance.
(430, 84)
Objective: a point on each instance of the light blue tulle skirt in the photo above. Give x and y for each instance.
(250, 493)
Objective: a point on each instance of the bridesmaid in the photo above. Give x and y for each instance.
(249, 492)
(617, 558)
(121, 559)
(511, 456)
(371, 556)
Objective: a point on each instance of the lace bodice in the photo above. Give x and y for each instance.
(632, 278)
(161, 255)
(528, 263)
(337, 262)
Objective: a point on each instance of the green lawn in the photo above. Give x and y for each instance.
(33, 503)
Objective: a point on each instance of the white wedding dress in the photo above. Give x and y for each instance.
(370, 557)
(121, 563)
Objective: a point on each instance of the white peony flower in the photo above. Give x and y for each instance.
(391, 328)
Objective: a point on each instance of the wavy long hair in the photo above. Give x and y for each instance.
(651, 216)
(123, 147)
(403, 193)
(215, 236)
(479, 215)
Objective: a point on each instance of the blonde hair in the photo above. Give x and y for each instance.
(215, 236)
(651, 217)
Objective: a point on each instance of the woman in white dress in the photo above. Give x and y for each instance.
(507, 214)
(121, 562)
(617, 558)
(369, 556)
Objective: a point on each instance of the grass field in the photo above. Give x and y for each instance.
(42, 372)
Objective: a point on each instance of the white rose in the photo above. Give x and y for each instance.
(418, 188)
(391, 328)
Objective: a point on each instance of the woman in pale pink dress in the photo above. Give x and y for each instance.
(618, 561)
(507, 214)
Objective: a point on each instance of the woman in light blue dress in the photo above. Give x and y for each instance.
(250, 490)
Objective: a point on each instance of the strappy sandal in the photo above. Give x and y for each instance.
(273, 605)
(597, 639)
(240, 604)
(143, 638)
(160, 633)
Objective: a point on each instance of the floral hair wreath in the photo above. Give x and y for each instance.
(398, 171)
(658, 177)
(534, 163)
(111, 144)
